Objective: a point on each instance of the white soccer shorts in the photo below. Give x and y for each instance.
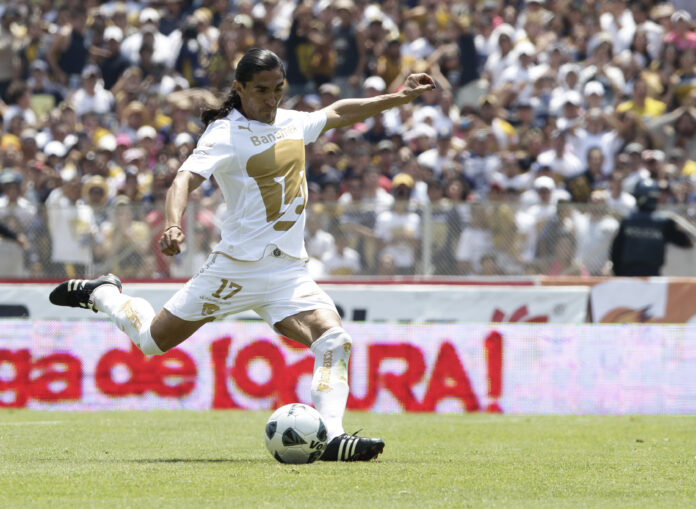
(277, 286)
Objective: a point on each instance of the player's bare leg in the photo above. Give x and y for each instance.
(152, 334)
(169, 330)
(321, 330)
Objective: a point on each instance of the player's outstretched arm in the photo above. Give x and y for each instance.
(177, 196)
(347, 112)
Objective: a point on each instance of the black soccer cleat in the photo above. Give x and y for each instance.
(347, 447)
(76, 293)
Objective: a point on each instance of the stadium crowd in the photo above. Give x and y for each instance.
(521, 161)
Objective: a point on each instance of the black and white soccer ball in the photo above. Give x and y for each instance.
(295, 433)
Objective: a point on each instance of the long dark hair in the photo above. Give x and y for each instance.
(255, 60)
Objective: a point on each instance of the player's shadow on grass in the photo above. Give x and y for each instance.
(196, 460)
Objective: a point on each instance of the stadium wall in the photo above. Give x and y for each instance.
(423, 300)
(470, 346)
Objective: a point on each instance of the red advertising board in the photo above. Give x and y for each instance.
(512, 368)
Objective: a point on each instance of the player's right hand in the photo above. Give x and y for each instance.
(171, 241)
(417, 84)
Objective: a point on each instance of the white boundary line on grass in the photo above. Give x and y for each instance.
(22, 423)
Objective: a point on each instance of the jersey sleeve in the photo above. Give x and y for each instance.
(211, 152)
(313, 124)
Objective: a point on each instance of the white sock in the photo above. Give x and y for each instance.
(132, 315)
(330, 379)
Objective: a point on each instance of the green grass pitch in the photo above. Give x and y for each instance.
(218, 459)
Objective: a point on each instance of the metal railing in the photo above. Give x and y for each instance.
(444, 239)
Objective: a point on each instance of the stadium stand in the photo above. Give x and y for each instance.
(522, 161)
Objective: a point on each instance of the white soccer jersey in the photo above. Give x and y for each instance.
(260, 169)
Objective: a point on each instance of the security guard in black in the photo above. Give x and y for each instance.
(639, 246)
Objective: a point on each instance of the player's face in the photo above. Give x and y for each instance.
(261, 95)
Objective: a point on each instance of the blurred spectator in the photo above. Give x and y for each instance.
(445, 227)
(480, 163)
(564, 221)
(633, 171)
(42, 88)
(503, 132)
(72, 228)
(595, 131)
(638, 249)
(91, 96)
(193, 55)
(12, 202)
(593, 177)
(372, 192)
(171, 17)
(68, 53)
(7, 54)
(299, 48)
(594, 231)
(348, 42)
(11, 257)
(95, 193)
(475, 241)
(126, 240)
(532, 220)
(560, 157)
(19, 100)
(163, 49)
(317, 240)
(641, 103)
(681, 35)
(398, 230)
(677, 129)
(594, 96)
(564, 261)
(620, 202)
(113, 63)
(341, 260)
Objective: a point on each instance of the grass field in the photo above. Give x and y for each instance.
(218, 459)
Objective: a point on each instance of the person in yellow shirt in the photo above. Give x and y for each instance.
(678, 157)
(641, 103)
(391, 64)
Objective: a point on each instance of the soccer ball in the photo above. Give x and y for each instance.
(295, 433)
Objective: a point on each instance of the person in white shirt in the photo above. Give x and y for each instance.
(341, 260)
(318, 241)
(165, 48)
(595, 230)
(12, 202)
(502, 55)
(518, 75)
(372, 193)
(531, 220)
(91, 96)
(72, 227)
(19, 98)
(475, 242)
(560, 157)
(595, 132)
(620, 202)
(398, 230)
(256, 151)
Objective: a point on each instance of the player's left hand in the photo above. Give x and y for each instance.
(417, 84)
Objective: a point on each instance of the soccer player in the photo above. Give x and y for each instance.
(256, 151)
